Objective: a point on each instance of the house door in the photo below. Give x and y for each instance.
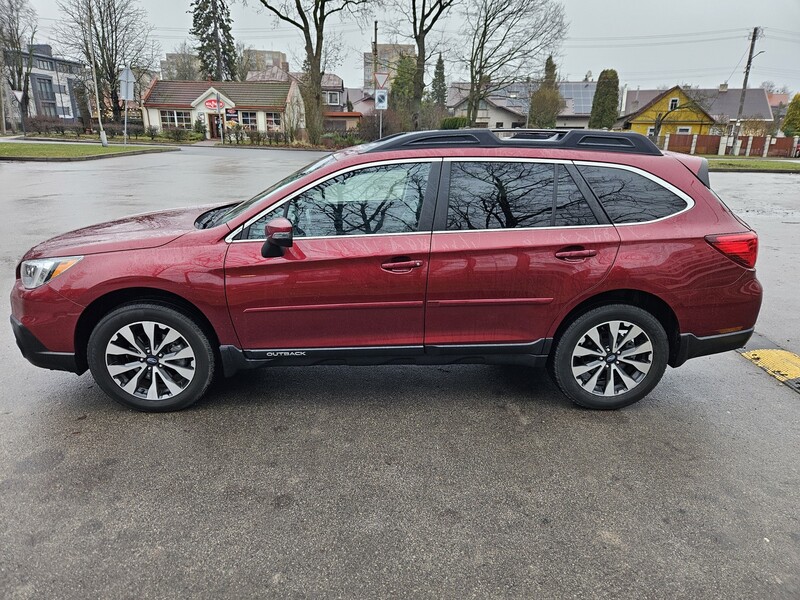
(213, 125)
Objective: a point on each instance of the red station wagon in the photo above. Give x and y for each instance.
(591, 252)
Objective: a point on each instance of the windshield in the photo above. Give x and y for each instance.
(235, 211)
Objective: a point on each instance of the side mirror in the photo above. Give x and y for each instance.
(279, 236)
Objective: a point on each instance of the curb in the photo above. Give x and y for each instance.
(248, 147)
(772, 171)
(32, 139)
(83, 158)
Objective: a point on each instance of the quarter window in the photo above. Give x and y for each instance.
(509, 195)
(375, 200)
(628, 197)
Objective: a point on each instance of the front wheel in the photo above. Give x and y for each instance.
(610, 357)
(150, 357)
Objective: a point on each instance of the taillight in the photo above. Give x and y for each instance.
(741, 248)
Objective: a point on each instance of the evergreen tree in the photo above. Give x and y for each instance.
(438, 85)
(401, 98)
(211, 25)
(546, 101)
(606, 101)
(791, 123)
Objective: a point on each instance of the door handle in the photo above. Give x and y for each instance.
(401, 265)
(576, 254)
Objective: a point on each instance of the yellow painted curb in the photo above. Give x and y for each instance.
(781, 364)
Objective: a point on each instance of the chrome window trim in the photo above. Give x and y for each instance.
(549, 161)
(654, 178)
(396, 161)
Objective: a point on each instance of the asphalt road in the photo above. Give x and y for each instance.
(426, 482)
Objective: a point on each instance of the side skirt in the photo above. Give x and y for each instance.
(532, 354)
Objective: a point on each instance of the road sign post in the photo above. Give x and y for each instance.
(126, 93)
(381, 98)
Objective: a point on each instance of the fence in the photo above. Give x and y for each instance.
(748, 145)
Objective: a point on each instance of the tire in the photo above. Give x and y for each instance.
(605, 376)
(150, 357)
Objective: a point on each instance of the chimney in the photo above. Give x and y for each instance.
(723, 87)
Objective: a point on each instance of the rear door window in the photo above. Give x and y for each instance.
(629, 197)
(513, 195)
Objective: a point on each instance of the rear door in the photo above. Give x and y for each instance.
(513, 242)
(356, 274)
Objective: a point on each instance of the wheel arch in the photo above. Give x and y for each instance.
(104, 304)
(645, 300)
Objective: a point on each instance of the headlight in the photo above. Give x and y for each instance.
(37, 272)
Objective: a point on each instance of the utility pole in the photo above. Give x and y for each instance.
(374, 78)
(2, 92)
(737, 125)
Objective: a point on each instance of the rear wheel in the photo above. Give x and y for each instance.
(610, 357)
(150, 357)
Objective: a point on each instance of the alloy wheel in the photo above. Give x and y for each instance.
(150, 360)
(612, 358)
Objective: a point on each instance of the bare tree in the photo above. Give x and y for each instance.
(505, 39)
(422, 16)
(18, 24)
(121, 36)
(181, 64)
(311, 18)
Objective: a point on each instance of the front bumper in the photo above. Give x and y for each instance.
(691, 346)
(38, 355)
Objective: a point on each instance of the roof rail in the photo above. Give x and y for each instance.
(572, 139)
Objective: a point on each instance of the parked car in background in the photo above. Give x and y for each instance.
(590, 252)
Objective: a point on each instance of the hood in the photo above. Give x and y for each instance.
(147, 230)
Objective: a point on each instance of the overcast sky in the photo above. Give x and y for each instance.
(650, 43)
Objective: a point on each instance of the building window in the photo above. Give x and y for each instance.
(273, 120)
(499, 125)
(332, 98)
(651, 131)
(64, 111)
(49, 109)
(176, 118)
(45, 89)
(45, 65)
(673, 103)
(248, 120)
(684, 130)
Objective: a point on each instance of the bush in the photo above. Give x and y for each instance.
(176, 134)
(455, 122)
(151, 132)
(257, 137)
(199, 126)
(135, 131)
(42, 125)
(113, 130)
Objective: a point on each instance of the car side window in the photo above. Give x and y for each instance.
(374, 200)
(629, 197)
(509, 195)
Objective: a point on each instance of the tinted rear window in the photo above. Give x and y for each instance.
(510, 195)
(628, 197)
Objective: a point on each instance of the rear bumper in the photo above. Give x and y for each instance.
(691, 346)
(36, 353)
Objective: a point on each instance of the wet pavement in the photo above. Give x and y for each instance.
(439, 482)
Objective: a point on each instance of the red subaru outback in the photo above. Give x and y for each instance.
(591, 252)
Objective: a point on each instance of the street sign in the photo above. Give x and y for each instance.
(381, 99)
(214, 104)
(126, 83)
(381, 79)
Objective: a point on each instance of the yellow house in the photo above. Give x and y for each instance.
(672, 111)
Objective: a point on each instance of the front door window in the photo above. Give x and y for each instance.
(375, 200)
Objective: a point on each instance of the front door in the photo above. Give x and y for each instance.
(357, 271)
(213, 125)
(514, 241)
